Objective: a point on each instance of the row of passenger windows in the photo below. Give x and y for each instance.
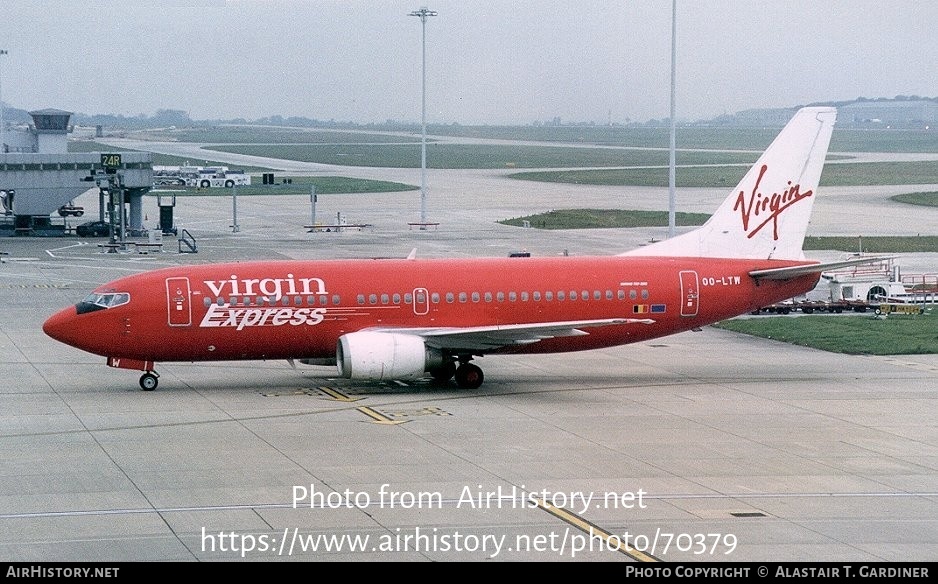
(322, 300)
(435, 298)
(512, 296)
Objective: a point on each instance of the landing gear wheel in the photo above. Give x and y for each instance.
(149, 381)
(444, 373)
(468, 376)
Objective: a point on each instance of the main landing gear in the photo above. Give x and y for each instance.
(149, 380)
(468, 376)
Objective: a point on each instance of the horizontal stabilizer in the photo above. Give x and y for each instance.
(795, 271)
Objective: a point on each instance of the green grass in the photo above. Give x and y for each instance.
(270, 135)
(726, 138)
(620, 218)
(158, 159)
(929, 199)
(848, 174)
(459, 156)
(874, 244)
(300, 185)
(853, 334)
(593, 218)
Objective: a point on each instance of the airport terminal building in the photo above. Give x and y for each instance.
(38, 176)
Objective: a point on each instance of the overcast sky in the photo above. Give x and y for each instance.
(488, 61)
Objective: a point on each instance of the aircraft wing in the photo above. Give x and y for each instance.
(482, 339)
(795, 271)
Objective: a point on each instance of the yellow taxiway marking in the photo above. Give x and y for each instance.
(613, 542)
(337, 395)
(378, 417)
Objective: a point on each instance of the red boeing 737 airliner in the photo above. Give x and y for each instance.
(407, 318)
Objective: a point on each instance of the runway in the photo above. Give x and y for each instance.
(701, 447)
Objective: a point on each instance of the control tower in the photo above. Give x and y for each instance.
(46, 135)
(38, 175)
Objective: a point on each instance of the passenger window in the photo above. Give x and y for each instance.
(488, 296)
(450, 297)
(463, 297)
(548, 296)
(572, 294)
(336, 300)
(385, 299)
(524, 297)
(435, 298)
(597, 295)
(537, 296)
(560, 295)
(475, 297)
(608, 294)
(361, 299)
(396, 298)
(372, 299)
(500, 296)
(644, 294)
(621, 295)
(633, 295)
(512, 296)
(408, 298)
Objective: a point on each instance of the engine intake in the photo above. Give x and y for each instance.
(379, 356)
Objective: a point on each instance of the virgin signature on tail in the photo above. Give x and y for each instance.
(766, 216)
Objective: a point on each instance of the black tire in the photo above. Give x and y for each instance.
(444, 373)
(149, 381)
(469, 376)
(205, 184)
(229, 183)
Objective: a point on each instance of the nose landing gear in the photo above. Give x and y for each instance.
(149, 380)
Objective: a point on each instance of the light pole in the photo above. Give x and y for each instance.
(423, 13)
(3, 148)
(672, 182)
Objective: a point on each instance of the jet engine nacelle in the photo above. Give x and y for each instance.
(379, 355)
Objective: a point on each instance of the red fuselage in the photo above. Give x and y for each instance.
(299, 309)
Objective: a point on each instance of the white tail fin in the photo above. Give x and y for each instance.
(767, 214)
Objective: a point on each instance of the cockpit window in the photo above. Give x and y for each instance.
(95, 301)
(109, 300)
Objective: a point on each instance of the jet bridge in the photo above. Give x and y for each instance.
(34, 186)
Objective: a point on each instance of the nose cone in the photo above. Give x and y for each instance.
(62, 326)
